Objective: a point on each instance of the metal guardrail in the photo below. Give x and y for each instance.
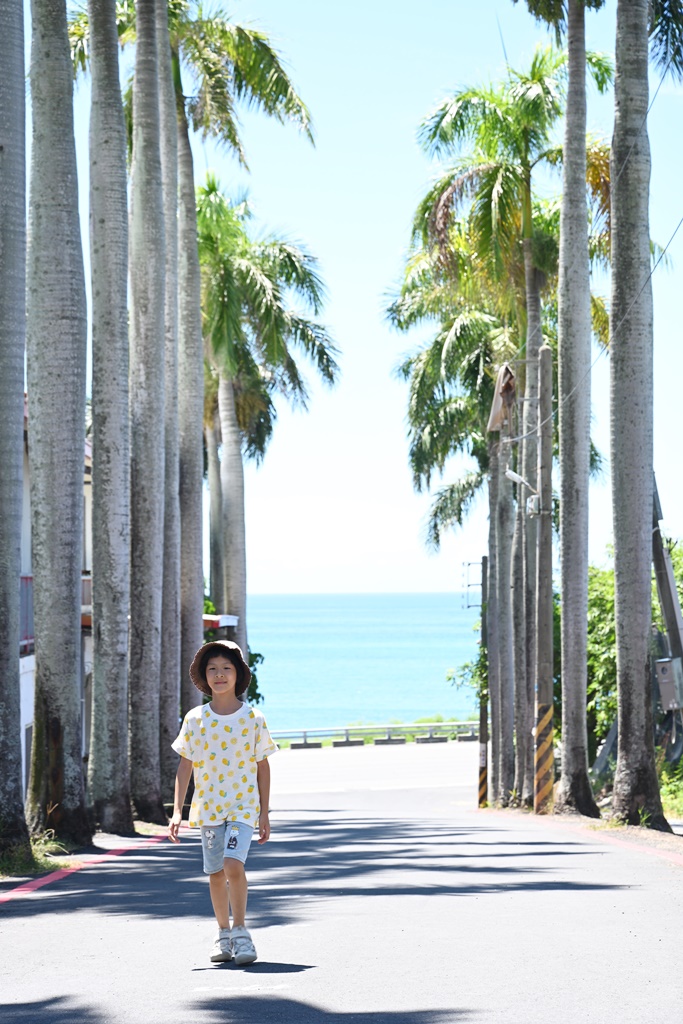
(355, 735)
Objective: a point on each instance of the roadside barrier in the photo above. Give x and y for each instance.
(380, 735)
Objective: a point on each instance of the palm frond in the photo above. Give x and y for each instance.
(666, 36)
(481, 115)
(598, 183)
(316, 342)
(294, 267)
(600, 320)
(230, 63)
(78, 27)
(451, 505)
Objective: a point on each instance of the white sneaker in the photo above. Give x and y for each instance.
(222, 947)
(243, 947)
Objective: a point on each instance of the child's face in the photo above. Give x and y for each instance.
(221, 675)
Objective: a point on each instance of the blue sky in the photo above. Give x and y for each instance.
(332, 506)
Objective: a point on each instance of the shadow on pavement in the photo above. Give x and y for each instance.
(60, 1010)
(319, 860)
(264, 1010)
(260, 967)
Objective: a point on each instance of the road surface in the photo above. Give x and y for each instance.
(384, 897)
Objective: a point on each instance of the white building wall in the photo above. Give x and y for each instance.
(26, 522)
(26, 695)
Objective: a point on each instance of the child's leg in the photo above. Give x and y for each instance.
(236, 889)
(219, 898)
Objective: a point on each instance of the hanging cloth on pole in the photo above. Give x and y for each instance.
(503, 398)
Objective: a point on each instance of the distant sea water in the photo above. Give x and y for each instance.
(337, 659)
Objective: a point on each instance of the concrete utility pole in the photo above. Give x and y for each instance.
(484, 694)
(543, 748)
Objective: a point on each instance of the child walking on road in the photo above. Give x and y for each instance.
(227, 744)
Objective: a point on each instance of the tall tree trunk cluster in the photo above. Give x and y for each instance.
(56, 354)
(13, 831)
(147, 401)
(636, 796)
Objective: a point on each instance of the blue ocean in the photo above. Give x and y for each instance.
(341, 659)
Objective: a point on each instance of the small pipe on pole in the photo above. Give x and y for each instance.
(543, 740)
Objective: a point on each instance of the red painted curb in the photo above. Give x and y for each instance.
(37, 883)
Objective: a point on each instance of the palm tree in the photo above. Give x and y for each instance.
(509, 127)
(451, 388)
(147, 268)
(13, 831)
(169, 698)
(56, 360)
(574, 351)
(250, 331)
(108, 772)
(636, 791)
(227, 64)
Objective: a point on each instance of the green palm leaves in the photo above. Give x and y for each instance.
(260, 301)
(226, 63)
(506, 131)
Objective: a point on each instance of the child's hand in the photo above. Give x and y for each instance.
(174, 826)
(263, 827)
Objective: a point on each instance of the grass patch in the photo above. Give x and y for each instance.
(671, 789)
(38, 858)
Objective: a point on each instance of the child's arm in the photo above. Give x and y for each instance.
(263, 781)
(182, 781)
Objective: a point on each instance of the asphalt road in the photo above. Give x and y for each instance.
(383, 897)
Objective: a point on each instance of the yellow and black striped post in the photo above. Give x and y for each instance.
(544, 772)
(544, 767)
(483, 775)
(483, 695)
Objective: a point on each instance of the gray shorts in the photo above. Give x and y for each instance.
(224, 839)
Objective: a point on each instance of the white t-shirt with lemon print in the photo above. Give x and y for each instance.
(224, 750)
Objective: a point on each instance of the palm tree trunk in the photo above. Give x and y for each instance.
(190, 407)
(493, 624)
(147, 265)
(519, 636)
(636, 791)
(574, 791)
(169, 697)
(56, 360)
(13, 831)
(529, 466)
(108, 772)
(215, 516)
(232, 489)
(504, 534)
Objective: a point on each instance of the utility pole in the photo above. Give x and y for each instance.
(484, 694)
(543, 746)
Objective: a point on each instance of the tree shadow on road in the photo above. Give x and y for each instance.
(60, 1010)
(271, 1010)
(233, 1010)
(321, 859)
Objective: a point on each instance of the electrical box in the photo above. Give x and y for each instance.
(533, 505)
(670, 680)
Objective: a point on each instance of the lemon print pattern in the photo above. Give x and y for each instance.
(225, 751)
